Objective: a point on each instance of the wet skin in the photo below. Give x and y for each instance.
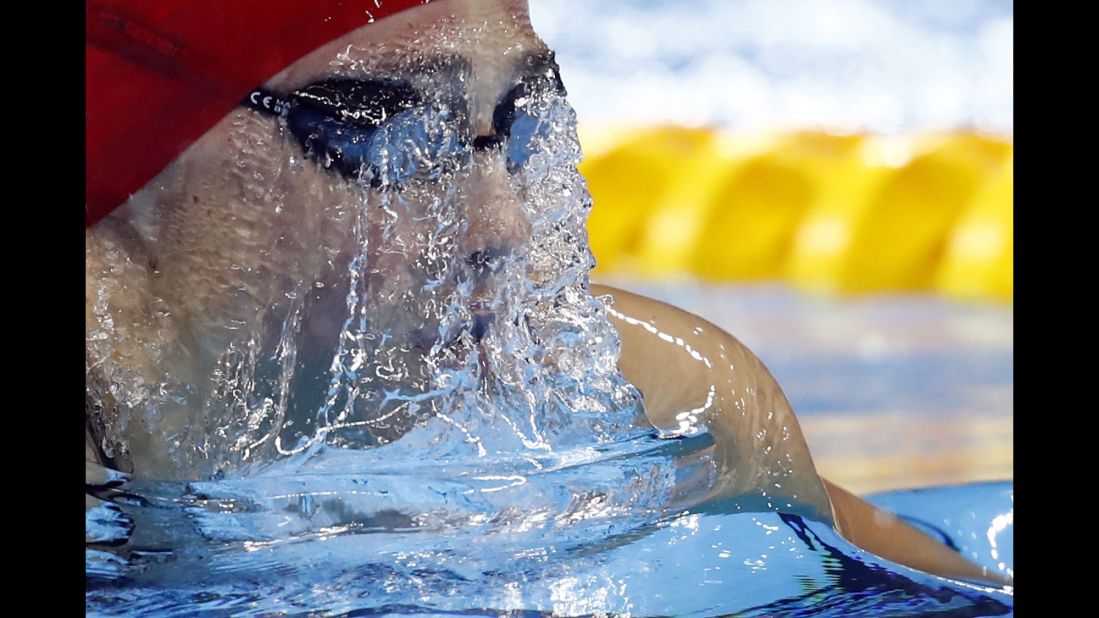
(210, 249)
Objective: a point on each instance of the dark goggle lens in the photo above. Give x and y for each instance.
(409, 144)
(520, 118)
(375, 132)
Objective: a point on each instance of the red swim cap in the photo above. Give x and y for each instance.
(160, 73)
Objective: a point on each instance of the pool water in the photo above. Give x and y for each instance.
(702, 561)
(611, 528)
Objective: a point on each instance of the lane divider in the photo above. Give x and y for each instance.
(827, 212)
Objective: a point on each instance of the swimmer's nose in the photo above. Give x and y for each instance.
(497, 221)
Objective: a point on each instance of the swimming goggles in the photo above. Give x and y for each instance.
(385, 132)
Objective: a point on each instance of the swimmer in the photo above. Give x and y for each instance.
(209, 222)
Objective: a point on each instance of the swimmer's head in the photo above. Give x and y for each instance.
(411, 113)
(355, 230)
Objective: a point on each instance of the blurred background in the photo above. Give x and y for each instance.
(830, 181)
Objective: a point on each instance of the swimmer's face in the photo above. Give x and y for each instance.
(392, 181)
(398, 134)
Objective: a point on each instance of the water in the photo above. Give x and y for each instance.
(332, 543)
(412, 405)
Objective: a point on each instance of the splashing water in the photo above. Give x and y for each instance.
(507, 351)
(475, 347)
(430, 419)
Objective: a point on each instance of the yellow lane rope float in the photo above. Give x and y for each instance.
(826, 212)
